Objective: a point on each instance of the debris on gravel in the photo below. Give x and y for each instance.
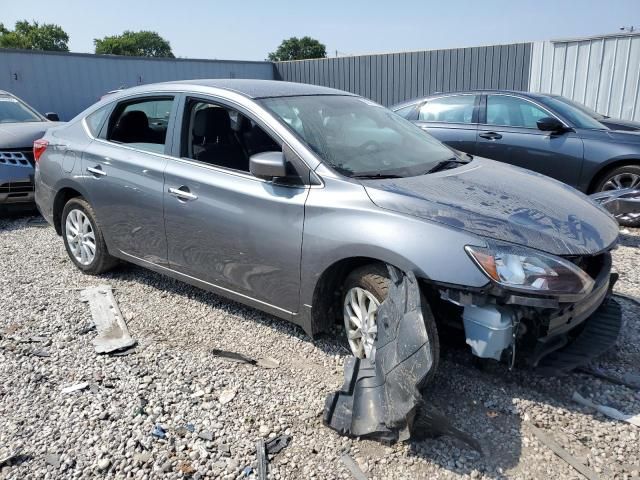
(172, 380)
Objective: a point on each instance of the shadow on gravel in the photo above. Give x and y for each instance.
(17, 220)
(485, 400)
(629, 240)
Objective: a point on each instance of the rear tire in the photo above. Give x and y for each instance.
(626, 176)
(374, 279)
(83, 238)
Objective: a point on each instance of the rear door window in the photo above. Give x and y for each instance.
(141, 123)
(453, 109)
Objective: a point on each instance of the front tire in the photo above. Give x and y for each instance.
(83, 238)
(626, 176)
(368, 286)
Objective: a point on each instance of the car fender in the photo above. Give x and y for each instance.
(334, 233)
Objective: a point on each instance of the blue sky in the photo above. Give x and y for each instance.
(249, 29)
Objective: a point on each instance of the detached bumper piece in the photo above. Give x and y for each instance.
(599, 334)
(381, 400)
(619, 202)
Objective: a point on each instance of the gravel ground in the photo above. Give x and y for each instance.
(174, 381)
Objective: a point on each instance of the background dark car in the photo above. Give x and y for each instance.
(610, 122)
(20, 125)
(535, 131)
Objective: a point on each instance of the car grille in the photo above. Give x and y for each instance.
(16, 189)
(17, 157)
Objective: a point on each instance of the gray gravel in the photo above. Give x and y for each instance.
(172, 380)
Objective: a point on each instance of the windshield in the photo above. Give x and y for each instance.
(12, 110)
(592, 113)
(358, 137)
(576, 116)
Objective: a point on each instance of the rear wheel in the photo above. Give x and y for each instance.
(83, 239)
(626, 176)
(364, 290)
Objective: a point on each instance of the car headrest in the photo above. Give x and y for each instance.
(211, 122)
(133, 121)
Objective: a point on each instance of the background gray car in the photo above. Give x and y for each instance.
(20, 125)
(544, 133)
(293, 199)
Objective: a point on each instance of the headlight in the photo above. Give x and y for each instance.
(520, 268)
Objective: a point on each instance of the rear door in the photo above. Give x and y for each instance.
(224, 226)
(508, 133)
(123, 170)
(452, 119)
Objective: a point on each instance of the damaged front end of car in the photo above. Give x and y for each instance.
(539, 310)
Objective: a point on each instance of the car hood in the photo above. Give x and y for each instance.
(620, 124)
(502, 202)
(22, 135)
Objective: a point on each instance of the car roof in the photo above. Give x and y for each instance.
(249, 87)
(467, 92)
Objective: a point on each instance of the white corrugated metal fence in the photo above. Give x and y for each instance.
(600, 72)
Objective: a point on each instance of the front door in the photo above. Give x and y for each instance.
(224, 226)
(123, 172)
(508, 133)
(452, 120)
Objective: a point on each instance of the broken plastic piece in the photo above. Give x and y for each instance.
(380, 400)
(261, 453)
(112, 330)
(267, 362)
(608, 411)
(563, 454)
(353, 467)
(236, 357)
(159, 432)
(277, 444)
(619, 202)
(7, 459)
(75, 388)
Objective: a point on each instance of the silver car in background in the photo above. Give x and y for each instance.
(20, 125)
(293, 198)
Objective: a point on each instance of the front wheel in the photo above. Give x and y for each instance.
(626, 176)
(83, 239)
(364, 290)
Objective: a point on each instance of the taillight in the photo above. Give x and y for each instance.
(39, 146)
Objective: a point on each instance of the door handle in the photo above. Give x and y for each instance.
(97, 171)
(182, 193)
(491, 136)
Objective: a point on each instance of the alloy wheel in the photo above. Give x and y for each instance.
(360, 309)
(80, 237)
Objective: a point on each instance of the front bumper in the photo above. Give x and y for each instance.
(16, 179)
(554, 334)
(600, 333)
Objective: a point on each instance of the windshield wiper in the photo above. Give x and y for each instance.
(377, 176)
(444, 164)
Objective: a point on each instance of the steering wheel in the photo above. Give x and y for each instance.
(370, 146)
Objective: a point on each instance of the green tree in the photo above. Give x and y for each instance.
(134, 44)
(298, 49)
(33, 36)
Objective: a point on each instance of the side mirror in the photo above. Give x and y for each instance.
(550, 124)
(52, 116)
(268, 165)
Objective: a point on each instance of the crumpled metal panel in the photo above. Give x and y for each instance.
(380, 400)
(502, 202)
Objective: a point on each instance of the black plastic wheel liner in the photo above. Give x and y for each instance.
(380, 399)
